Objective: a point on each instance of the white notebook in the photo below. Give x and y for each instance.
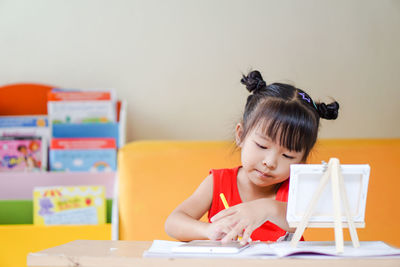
(305, 249)
(209, 246)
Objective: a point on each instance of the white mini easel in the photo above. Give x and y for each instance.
(334, 174)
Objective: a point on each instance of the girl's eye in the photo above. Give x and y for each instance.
(260, 146)
(287, 156)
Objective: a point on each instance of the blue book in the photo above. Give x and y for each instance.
(80, 160)
(83, 154)
(23, 121)
(90, 130)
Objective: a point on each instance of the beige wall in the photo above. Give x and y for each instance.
(178, 63)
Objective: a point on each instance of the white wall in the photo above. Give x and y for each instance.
(178, 63)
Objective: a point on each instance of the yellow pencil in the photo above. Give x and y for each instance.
(222, 196)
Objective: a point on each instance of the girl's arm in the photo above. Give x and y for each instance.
(248, 216)
(183, 223)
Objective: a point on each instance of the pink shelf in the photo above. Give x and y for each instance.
(19, 185)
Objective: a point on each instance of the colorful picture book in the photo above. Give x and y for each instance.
(83, 154)
(25, 126)
(22, 154)
(81, 107)
(69, 205)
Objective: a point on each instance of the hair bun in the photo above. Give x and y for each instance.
(329, 112)
(253, 81)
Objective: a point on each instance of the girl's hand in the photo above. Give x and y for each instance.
(217, 230)
(242, 219)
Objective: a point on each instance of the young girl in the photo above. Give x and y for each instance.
(279, 127)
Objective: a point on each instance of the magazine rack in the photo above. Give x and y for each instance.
(333, 173)
(16, 192)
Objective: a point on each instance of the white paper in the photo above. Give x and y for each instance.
(209, 246)
(163, 246)
(305, 249)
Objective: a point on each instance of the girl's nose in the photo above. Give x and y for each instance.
(270, 162)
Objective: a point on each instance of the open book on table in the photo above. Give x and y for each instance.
(306, 249)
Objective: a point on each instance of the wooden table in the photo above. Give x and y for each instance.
(90, 253)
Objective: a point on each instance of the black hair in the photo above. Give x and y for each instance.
(288, 115)
(20, 147)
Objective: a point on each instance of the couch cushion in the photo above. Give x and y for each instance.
(155, 176)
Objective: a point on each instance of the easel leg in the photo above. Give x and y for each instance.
(338, 194)
(336, 205)
(350, 222)
(302, 226)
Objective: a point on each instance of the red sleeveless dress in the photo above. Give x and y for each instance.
(225, 181)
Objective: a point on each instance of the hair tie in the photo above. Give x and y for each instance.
(308, 99)
(315, 106)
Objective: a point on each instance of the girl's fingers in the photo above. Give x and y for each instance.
(222, 214)
(229, 237)
(246, 235)
(228, 221)
(220, 231)
(233, 234)
(224, 228)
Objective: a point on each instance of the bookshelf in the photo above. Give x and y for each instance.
(18, 234)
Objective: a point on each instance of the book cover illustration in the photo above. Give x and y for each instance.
(22, 154)
(25, 126)
(83, 154)
(81, 107)
(69, 205)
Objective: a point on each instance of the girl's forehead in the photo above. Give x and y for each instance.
(262, 134)
(260, 131)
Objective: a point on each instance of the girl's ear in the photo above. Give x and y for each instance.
(238, 134)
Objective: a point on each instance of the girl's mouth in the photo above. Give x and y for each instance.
(265, 175)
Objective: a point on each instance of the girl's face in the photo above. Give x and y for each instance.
(264, 161)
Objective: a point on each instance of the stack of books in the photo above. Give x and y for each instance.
(84, 130)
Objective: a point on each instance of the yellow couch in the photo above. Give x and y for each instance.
(155, 176)
(19, 240)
